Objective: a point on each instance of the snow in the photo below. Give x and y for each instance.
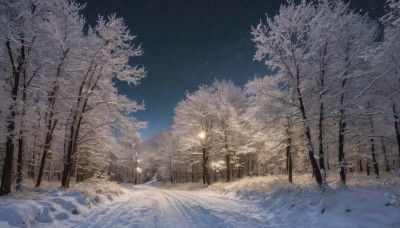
(249, 202)
(56, 206)
(365, 202)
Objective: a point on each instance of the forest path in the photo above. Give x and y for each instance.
(148, 206)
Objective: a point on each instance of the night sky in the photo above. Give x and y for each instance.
(188, 43)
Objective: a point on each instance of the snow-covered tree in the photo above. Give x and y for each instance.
(57, 90)
(196, 126)
(63, 28)
(272, 115)
(230, 106)
(108, 49)
(318, 49)
(164, 148)
(386, 64)
(17, 38)
(212, 118)
(284, 42)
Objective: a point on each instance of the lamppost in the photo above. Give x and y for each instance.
(138, 171)
(206, 177)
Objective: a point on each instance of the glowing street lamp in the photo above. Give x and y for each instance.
(206, 177)
(202, 135)
(138, 171)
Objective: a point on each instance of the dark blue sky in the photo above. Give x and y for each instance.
(188, 43)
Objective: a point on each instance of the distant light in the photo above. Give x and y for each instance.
(138, 170)
(202, 135)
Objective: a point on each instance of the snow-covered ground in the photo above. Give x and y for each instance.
(250, 202)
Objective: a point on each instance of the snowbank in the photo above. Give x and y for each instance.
(55, 205)
(99, 190)
(364, 202)
(52, 206)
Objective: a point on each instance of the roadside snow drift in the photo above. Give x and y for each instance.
(54, 206)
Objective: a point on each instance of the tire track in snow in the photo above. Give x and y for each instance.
(146, 206)
(232, 211)
(182, 213)
(135, 211)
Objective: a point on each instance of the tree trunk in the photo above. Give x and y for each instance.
(68, 161)
(374, 162)
(33, 155)
(227, 159)
(342, 162)
(20, 161)
(75, 146)
(21, 142)
(72, 147)
(171, 171)
(33, 161)
(6, 178)
(396, 127)
(289, 167)
(342, 127)
(321, 146)
(342, 121)
(8, 166)
(70, 142)
(321, 115)
(385, 158)
(206, 175)
(47, 146)
(228, 168)
(313, 162)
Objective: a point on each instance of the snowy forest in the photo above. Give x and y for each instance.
(61, 115)
(314, 143)
(330, 106)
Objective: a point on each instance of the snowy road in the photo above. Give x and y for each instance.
(261, 202)
(146, 206)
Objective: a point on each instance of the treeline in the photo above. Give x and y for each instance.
(332, 103)
(61, 115)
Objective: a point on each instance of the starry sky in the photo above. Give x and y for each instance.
(188, 43)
